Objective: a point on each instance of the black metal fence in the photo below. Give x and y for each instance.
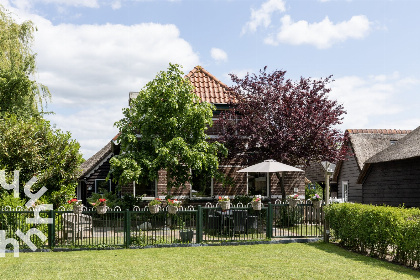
(141, 228)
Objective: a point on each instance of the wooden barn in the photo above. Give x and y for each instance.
(211, 90)
(363, 144)
(392, 176)
(94, 172)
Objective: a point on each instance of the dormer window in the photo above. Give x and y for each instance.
(393, 142)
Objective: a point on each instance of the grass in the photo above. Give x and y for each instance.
(279, 261)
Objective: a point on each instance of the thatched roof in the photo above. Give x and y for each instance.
(367, 142)
(407, 147)
(95, 160)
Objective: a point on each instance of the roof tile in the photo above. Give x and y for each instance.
(208, 87)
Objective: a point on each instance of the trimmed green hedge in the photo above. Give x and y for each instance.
(377, 230)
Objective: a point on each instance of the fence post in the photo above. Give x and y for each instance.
(269, 227)
(326, 225)
(199, 230)
(51, 229)
(127, 228)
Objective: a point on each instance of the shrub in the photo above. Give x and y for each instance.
(377, 230)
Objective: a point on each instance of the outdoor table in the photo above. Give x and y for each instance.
(226, 221)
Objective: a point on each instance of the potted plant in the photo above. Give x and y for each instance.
(77, 205)
(154, 205)
(256, 202)
(316, 201)
(224, 202)
(293, 200)
(173, 205)
(100, 206)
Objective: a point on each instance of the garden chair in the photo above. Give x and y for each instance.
(76, 225)
(239, 220)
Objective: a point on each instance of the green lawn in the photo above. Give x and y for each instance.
(279, 261)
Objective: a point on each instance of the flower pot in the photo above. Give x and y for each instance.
(101, 209)
(317, 203)
(293, 203)
(225, 205)
(77, 209)
(186, 236)
(154, 208)
(172, 209)
(256, 205)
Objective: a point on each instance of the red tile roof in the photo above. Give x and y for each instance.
(378, 131)
(207, 86)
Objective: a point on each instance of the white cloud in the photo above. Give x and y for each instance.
(92, 125)
(116, 5)
(90, 69)
(320, 34)
(375, 100)
(218, 54)
(262, 16)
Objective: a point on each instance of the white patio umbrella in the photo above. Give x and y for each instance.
(269, 166)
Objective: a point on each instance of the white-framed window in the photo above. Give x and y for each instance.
(147, 189)
(201, 184)
(345, 190)
(102, 184)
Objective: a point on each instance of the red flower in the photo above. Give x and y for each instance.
(72, 200)
(102, 200)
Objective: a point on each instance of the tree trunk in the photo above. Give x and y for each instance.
(281, 184)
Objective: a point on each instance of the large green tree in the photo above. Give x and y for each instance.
(34, 148)
(19, 93)
(165, 129)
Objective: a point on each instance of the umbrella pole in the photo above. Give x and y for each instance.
(268, 185)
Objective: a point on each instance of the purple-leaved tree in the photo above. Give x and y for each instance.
(277, 118)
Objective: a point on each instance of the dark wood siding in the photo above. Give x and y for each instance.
(393, 183)
(350, 172)
(100, 173)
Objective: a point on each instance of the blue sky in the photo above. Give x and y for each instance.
(91, 53)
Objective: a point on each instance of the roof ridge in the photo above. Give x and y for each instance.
(207, 87)
(91, 162)
(386, 154)
(199, 68)
(378, 131)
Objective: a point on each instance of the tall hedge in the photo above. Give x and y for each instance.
(377, 230)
